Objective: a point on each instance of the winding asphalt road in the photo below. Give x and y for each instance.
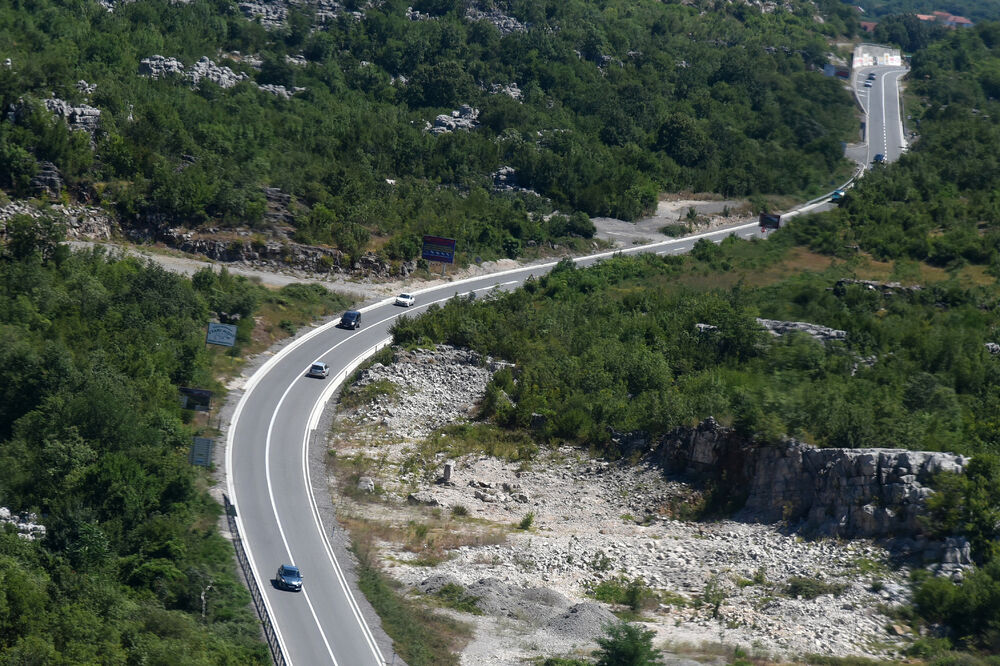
(267, 462)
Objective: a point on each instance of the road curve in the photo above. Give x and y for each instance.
(267, 461)
(268, 475)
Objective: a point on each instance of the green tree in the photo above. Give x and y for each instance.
(627, 644)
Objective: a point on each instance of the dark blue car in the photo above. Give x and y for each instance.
(289, 578)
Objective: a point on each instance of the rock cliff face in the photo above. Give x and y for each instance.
(849, 493)
(82, 222)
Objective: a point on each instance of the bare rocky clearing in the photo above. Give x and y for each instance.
(593, 521)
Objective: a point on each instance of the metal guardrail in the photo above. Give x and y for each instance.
(258, 598)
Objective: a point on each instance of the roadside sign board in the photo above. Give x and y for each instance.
(221, 334)
(438, 249)
(201, 451)
(200, 400)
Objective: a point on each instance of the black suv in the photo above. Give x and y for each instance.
(289, 578)
(351, 319)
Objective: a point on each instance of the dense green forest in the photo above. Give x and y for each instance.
(617, 346)
(132, 569)
(619, 102)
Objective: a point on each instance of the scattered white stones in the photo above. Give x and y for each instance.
(209, 71)
(464, 118)
(158, 67)
(511, 90)
(435, 388)
(279, 90)
(821, 333)
(504, 23)
(24, 524)
(82, 117)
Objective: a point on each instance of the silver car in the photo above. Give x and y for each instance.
(319, 370)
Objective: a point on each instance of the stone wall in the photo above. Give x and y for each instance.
(848, 493)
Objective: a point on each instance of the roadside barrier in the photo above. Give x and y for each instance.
(258, 598)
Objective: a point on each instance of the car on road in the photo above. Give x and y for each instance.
(406, 300)
(868, 84)
(289, 578)
(319, 370)
(879, 159)
(351, 319)
(837, 196)
(871, 76)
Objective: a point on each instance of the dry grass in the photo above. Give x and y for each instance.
(796, 261)
(431, 538)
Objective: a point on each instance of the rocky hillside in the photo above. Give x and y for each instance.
(595, 524)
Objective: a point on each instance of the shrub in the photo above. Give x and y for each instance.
(454, 596)
(810, 588)
(627, 645)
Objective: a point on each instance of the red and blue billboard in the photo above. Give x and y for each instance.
(438, 249)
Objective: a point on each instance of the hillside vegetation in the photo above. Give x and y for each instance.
(132, 569)
(619, 102)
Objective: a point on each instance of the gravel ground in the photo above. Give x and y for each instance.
(595, 521)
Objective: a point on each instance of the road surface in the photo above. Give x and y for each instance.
(883, 123)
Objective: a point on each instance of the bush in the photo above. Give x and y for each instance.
(810, 588)
(627, 645)
(454, 596)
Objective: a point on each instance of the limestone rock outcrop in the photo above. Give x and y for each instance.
(47, 181)
(821, 333)
(81, 222)
(847, 493)
(463, 118)
(82, 117)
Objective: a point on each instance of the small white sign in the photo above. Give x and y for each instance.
(221, 334)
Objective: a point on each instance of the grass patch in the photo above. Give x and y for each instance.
(454, 596)
(810, 588)
(458, 440)
(279, 314)
(675, 230)
(866, 565)
(353, 396)
(430, 540)
(826, 660)
(420, 637)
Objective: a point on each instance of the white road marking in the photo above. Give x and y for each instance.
(274, 509)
